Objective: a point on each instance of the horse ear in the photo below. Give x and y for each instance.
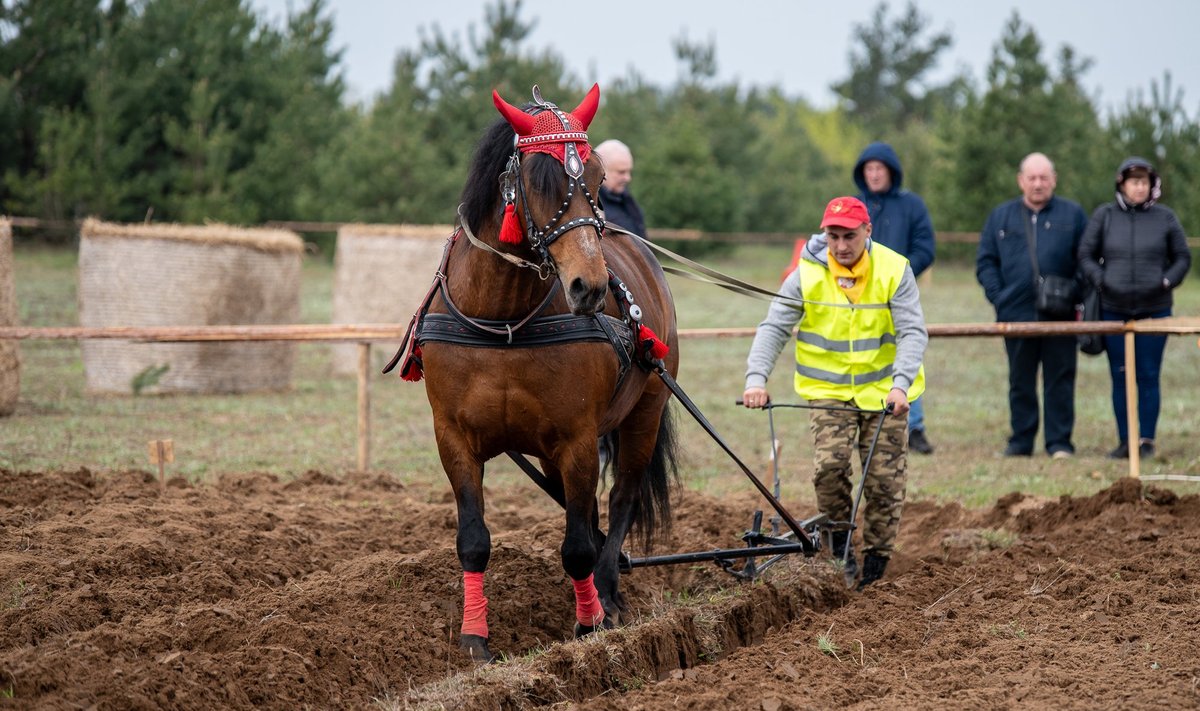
(521, 122)
(586, 110)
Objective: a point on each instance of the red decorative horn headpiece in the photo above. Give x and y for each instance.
(549, 129)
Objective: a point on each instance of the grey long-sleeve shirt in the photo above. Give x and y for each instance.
(776, 330)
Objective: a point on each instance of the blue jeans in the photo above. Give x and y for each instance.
(916, 414)
(1149, 351)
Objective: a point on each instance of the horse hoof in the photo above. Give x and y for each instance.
(477, 648)
(582, 630)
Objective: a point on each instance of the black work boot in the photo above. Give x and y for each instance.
(838, 542)
(919, 443)
(873, 567)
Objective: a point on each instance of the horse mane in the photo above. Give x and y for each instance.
(481, 193)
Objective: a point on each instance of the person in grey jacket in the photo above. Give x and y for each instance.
(1135, 252)
(860, 341)
(899, 220)
(1004, 268)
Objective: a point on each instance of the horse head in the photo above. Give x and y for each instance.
(551, 188)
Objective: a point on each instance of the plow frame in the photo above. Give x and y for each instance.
(807, 537)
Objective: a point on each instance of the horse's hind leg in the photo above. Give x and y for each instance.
(640, 479)
(473, 543)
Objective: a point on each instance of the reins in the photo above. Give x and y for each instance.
(708, 275)
(545, 270)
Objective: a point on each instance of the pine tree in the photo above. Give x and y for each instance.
(1025, 108)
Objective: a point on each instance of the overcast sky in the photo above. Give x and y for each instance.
(799, 45)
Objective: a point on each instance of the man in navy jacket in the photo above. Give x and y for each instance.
(615, 198)
(1003, 266)
(900, 221)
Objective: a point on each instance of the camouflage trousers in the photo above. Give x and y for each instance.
(836, 435)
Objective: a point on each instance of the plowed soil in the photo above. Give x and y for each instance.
(325, 592)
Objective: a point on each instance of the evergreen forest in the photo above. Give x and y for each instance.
(202, 110)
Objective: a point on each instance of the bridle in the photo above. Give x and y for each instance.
(512, 188)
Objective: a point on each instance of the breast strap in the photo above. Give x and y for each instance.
(541, 331)
(530, 332)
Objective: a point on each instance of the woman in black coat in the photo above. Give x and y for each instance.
(1135, 252)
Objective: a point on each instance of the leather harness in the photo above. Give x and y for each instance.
(532, 331)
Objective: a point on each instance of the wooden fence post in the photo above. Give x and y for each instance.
(1131, 404)
(364, 405)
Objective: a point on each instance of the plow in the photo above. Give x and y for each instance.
(802, 536)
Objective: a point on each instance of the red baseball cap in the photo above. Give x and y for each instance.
(845, 212)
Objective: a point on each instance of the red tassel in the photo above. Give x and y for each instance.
(413, 369)
(652, 344)
(510, 229)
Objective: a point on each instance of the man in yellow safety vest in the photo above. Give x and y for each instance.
(859, 347)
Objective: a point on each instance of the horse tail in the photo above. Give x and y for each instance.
(654, 500)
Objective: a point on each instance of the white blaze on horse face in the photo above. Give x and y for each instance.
(589, 244)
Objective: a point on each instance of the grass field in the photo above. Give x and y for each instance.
(59, 426)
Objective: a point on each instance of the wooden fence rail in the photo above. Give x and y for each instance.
(365, 334)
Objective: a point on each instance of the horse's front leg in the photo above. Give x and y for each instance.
(579, 467)
(473, 543)
(623, 507)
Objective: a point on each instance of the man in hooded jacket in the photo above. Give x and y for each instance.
(901, 222)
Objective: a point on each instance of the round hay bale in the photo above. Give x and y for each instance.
(10, 357)
(381, 273)
(181, 275)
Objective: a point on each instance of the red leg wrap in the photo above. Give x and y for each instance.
(474, 605)
(588, 610)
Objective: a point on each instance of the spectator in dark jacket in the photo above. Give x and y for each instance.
(901, 222)
(615, 199)
(1004, 268)
(1135, 252)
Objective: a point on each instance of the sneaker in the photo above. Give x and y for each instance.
(1013, 450)
(1146, 449)
(919, 443)
(1061, 454)
(1121, 452)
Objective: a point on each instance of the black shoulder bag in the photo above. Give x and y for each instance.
(1054, 296)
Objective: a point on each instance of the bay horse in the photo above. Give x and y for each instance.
(539, 338)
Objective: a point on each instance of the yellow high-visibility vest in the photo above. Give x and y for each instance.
(848, 353)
